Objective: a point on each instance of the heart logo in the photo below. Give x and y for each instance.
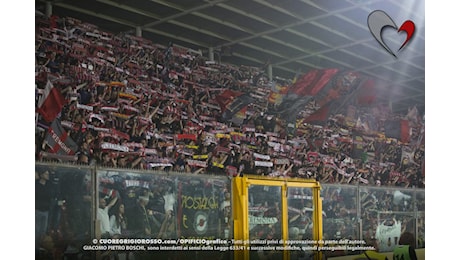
(378, 20)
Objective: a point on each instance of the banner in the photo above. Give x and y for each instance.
(281, 161)
(62, 158)
(198, 210)
(231, 102)
(115, 147)
(59, 141)
(320, 116)
(186, 136)
(197, 163)
(407, 155)
(261, 156)
(50, 103)
(238, 118)
(276, 96)
(398, 129)
(263, 164)
(358, 147)
(153, 165)
(311, 86)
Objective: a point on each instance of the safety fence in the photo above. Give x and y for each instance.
(161, 209)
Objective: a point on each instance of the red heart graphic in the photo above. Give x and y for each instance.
(378, 20)
(409, 27)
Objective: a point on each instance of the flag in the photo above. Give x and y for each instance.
(359, 123)
(367, 93)
(405, 131)
(231, 102)
(238, 118)
(413, 115)
(407, 155)
(277, 94)
(421, 136)
(58, 140)
(296, 76)
(308, 85)
(305, 89)
(50, 103)
(320, 116)
(312, 82)
(398, 129)
(226, 97)
(358, 147)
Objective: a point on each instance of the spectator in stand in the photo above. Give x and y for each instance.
(83, 158)
(107, 160)
(119, 222)
(139, 223)
(138, 98)
(43, 200)
(103, 217)
(107, 95)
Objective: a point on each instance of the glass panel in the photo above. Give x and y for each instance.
(204, 207)
(300, 223)
(420, 226)
(386, 213)
(170, 208)
(144, 203)
(62, 210)
(340, 221)
(195, 206)
(340, 212)
(265, 225)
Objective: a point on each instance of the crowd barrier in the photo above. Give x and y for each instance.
(183, 206)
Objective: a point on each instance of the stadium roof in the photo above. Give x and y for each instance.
(294, 36)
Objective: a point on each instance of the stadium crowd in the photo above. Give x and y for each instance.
(121, 101)
(131, 103)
